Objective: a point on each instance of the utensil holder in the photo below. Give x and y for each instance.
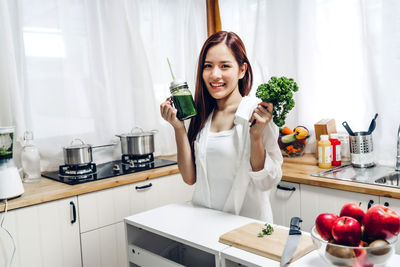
(361, 150)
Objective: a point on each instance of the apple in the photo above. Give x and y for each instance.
(353, 210)
(323, 224)
(347, 231)
(381, 222)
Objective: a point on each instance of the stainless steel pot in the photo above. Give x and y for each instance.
(79, 154)
(137, 142)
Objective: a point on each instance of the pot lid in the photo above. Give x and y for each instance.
(137, 132)
(75, 146)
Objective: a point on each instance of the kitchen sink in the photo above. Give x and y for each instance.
(378, 175)
(392, 179)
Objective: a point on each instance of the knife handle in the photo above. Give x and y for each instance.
(295, 226)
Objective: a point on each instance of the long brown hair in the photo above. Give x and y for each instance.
(205, 103)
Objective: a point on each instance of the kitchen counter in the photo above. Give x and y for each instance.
(295, 170)
(181, 223)
(299, 170)
(49, 190)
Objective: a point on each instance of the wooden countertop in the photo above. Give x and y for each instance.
(296, 173)
(48, 190)
(296, 170)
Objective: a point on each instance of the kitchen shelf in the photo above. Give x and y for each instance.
(149, 249)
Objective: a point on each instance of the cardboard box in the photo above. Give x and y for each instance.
(324, 126)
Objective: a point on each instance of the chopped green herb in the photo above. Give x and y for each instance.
(266, 231)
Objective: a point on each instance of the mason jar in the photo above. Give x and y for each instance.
(182, 99)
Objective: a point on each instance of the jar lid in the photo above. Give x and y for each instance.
(334, 136)
(177, 83)
(28, 136)
(324, 137)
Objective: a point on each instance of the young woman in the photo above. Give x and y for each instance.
(230, 151)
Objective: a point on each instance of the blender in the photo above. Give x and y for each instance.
(10, 180)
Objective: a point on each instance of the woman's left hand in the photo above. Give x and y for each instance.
(262, 115)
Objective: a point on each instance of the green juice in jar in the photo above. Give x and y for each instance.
(182, 100)
(6, 142)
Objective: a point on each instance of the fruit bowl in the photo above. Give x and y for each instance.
(340, 255)
(293, 149)
(293, 142)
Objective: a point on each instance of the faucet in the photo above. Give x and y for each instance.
(398, 151)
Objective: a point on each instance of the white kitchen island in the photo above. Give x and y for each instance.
(186, 235)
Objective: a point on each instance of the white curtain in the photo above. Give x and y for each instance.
(94, 69)
(10, 83)
(344, 54)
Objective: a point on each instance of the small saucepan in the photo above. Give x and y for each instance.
(137, 142)
(79, 154)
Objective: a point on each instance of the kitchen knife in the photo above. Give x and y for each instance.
(292, 241)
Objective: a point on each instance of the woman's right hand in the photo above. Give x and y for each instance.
(168, 112)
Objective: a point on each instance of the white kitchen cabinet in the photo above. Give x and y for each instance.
(316, 200)
(104, 247)
(102, 213)
(109, 206)
(393, 204)
(285, 202)
(104, 207)
(45, 235)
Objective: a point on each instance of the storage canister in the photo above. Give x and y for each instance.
(361, 149)
(30, 159)
(344, 147)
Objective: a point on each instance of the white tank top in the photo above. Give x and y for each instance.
(220, 160)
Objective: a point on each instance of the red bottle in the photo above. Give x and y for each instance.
(336, 159)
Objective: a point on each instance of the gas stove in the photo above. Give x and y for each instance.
(82, 174)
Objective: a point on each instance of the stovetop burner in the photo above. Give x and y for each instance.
(93, 172)
(136, 161)
(77, 170)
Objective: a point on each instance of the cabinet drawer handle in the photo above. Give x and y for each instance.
(286, 188)
(73, 211)
(386, 204)
(370, 203)
(143, 186)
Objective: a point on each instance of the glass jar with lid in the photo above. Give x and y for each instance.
(182, 100)
(30, 159)
(345, 146)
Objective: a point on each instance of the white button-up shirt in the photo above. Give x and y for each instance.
(249, 195)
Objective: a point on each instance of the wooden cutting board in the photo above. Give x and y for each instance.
(270, 246)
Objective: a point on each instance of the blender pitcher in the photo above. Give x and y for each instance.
(10, 181)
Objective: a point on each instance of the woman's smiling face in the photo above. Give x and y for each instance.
(221, 72)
